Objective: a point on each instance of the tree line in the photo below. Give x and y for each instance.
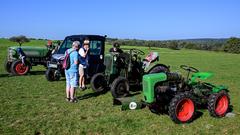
(231, 45)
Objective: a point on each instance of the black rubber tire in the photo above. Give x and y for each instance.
(50, 75)
(212, 102)
(159, 69)
(174, 104)
(7, 66)
(98, 82)
(120, 87)
(14, 65)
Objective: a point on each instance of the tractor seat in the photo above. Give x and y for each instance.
(152, 56)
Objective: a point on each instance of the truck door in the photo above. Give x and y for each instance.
(96, 57)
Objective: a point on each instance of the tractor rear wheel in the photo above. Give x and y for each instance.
(159, 69)
(120, 87)
(218, 104)
(98, 82)
(51, 75)
(7, 66)
(18, 68)
(182, 108)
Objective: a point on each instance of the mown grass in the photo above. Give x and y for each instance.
(32, 105)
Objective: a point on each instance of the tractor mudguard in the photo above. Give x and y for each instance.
(149, 82)
(218, 88)
(201, 76)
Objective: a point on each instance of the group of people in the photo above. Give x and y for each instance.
(75, 75)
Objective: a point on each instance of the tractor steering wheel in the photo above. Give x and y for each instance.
(189, 69)
(137, 51)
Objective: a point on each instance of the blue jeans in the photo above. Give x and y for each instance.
(71, 79)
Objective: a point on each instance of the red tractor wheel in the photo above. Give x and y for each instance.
(182, 108)
(218, 104)
(18, 68)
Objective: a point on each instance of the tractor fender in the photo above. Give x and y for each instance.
(218, 88)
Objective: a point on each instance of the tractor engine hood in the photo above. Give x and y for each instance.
(58, 56)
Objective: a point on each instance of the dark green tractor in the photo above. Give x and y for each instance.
(124, 70)
(180, 96)
(20, 59)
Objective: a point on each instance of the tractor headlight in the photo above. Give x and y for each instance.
(11, 53)
(115, 58)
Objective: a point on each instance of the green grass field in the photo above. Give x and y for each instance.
(32, 105)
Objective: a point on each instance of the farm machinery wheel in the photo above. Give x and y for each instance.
(19, 68)
(7, 66)
(98, 82)
(52, 75)
(218, 104)
(182, 108)
(159, 69)
(120, 87)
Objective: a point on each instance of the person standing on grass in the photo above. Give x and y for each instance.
(83, 57)
(72, 73)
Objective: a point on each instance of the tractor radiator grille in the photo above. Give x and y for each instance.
(108, 63)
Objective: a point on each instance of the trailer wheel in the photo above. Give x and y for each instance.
(218, 104)
(182, 108)
(18, 68)
(120, 87)
(98, 82)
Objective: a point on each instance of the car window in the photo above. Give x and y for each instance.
(95, 47)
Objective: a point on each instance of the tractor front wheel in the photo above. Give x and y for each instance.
(218, 104)
(182, 108)
(98, 82)
(52, 75)
(120, 87)
(7, 66)
(19, 68)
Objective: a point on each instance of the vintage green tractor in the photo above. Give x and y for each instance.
(21, 59)
(180, 97)
(124, 70)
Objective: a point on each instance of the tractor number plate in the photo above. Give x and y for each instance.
(52, 65)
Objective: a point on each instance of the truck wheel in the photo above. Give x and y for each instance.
(159, 69)
(218, 104)
(120, 87)
(182, 108)
(18, 68)
(98, 82)
(7, 66)
(51, 75)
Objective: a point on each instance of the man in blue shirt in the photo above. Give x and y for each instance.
(83, 57)
(72, 73)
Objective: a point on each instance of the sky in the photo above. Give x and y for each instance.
(132, 19)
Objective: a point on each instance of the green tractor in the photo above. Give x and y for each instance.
(20, 59)
(180, 97)
(124, 70)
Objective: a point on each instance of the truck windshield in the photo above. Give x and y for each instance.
(67, 43)
(95, 45)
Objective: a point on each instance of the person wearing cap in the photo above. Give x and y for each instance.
(83, 58)
(71, 74)
(116, 48)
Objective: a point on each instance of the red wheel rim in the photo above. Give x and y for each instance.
(185, 110)
(21, 69)
(221, 105)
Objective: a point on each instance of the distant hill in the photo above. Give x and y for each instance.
(206, 40)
